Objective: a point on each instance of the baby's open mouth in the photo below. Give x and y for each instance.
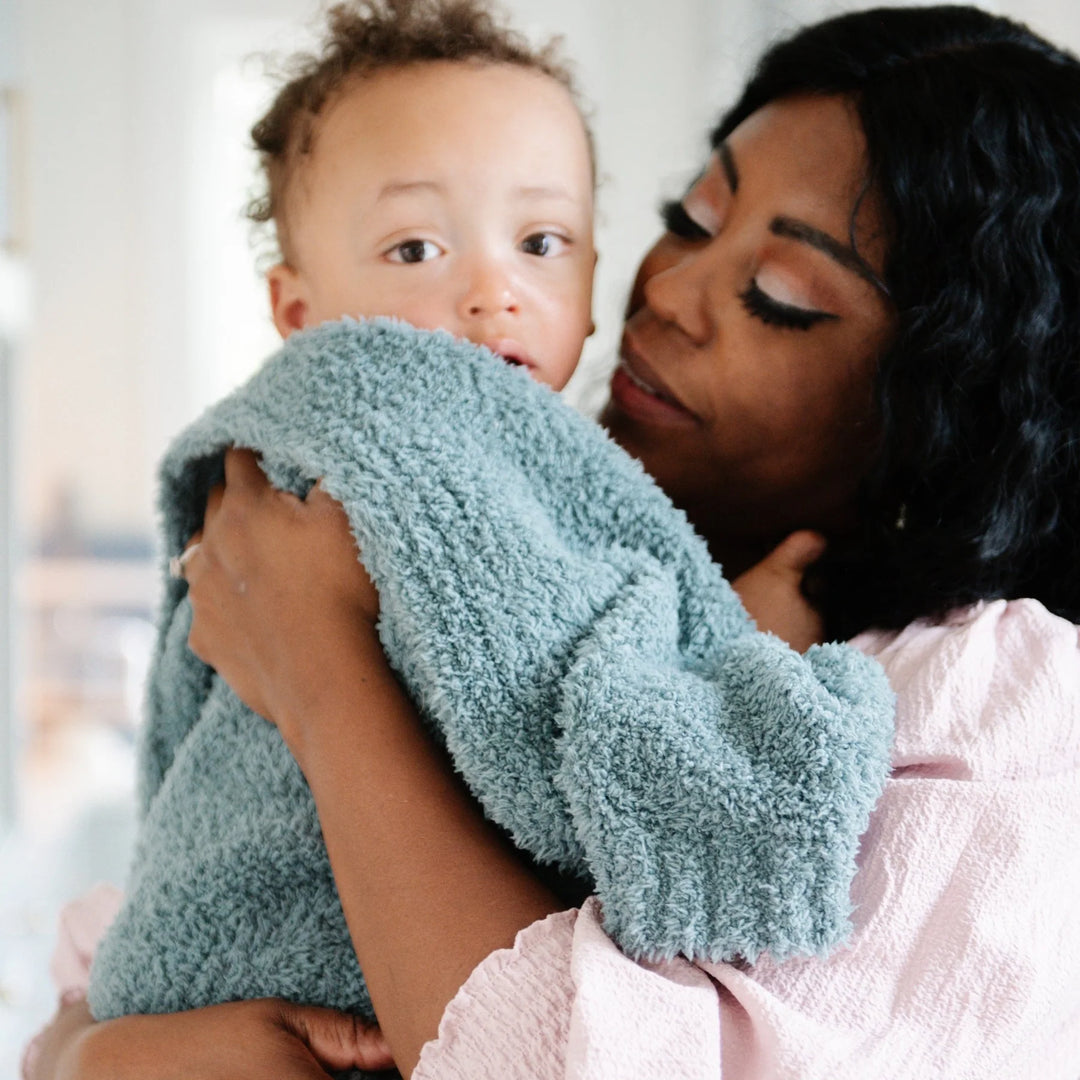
(511, 352)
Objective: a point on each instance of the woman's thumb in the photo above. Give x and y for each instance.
(338, 1040)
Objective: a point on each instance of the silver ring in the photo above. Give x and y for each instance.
(178, 563)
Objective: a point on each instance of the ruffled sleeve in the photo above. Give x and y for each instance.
(965, 962)
(565, 1002)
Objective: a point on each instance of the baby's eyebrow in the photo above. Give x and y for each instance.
(408, 187)
(396, 188)
(540, 191)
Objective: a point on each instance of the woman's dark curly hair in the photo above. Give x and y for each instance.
(972, 126)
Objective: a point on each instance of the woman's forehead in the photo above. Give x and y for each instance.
(804, 159)
(815, 140)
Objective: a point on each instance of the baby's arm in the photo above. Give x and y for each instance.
(771, 591)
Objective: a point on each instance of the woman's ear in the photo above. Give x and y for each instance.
(288, 299)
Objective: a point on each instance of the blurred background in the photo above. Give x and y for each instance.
(130, 298)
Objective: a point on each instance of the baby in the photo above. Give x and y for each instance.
(431, 166)
(434, 168)
(559, 624)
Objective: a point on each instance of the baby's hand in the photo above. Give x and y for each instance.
(771, 591)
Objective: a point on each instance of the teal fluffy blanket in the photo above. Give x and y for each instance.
(564, 632)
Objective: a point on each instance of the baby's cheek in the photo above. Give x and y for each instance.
(565, 360)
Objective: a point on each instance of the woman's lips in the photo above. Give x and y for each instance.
(638, 393)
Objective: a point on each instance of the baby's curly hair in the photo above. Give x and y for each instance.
(366, 36)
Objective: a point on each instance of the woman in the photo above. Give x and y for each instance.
(861, 320)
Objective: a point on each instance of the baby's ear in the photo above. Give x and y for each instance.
(288, 299)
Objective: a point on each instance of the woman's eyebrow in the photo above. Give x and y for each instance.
(846, 256)
(727, 162)
(793, 229)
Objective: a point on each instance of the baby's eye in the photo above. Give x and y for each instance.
(414, 251)
(544, 243)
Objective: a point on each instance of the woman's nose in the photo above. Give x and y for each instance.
(490, 291)
(679, 294)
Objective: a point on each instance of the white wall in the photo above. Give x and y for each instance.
(11, 290)
(118, 355)
(82, 380)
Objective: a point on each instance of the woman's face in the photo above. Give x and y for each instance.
(745, 382)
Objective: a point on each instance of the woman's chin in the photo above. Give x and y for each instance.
(656, 447)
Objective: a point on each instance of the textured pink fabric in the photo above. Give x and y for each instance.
(965, 961)
(565, 1003)
(82, 924)
(479, 1037)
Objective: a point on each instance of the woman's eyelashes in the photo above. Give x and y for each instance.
(774, 313)
(679, 223)
(755, 300)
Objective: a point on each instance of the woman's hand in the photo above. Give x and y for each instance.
(278, 593)
(248, 1040)
(771, 591)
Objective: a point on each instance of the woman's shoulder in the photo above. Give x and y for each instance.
(990, 692)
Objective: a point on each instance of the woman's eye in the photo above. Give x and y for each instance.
(544, 243)
(679, 223)
(774, 313)
(414, 251)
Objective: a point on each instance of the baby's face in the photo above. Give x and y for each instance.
(451, 196)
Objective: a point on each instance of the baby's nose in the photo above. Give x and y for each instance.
(480, 307)
(490, 292)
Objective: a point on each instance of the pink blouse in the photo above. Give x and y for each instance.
(965, 960)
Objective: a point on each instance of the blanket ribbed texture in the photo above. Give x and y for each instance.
(566, 635)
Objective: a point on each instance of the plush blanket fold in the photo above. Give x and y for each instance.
(562, 629)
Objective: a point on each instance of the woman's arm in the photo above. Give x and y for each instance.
(285, 613)
(245, 1040)
(428, 887)
(287, 1041)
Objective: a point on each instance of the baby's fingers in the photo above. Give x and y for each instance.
(795, 553)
